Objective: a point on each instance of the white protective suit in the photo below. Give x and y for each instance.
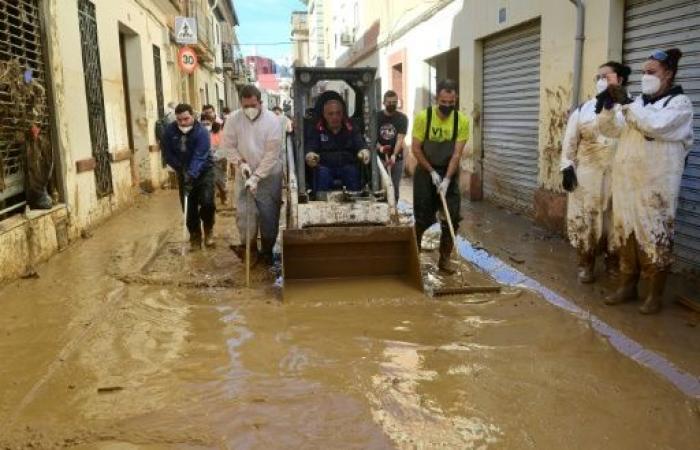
(589, 214)
(654, 141)
(258, 144)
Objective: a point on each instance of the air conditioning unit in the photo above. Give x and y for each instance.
(347, 39)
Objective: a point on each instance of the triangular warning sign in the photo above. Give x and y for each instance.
(185, 30)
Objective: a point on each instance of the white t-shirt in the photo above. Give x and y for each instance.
(257, 142)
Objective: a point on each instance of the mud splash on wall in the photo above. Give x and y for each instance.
(555, 117)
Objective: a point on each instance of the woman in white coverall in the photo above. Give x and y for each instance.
(655, 135)
(586, 165)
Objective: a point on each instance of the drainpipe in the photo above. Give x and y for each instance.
(578, 52)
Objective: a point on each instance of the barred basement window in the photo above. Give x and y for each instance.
(21, 49)
(95, 97)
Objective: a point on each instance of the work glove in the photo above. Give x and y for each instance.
(442, 189)
(364, 156)
(437, 179)
(252, 184)
(569, 180)
(187, 184)
(619, 94)
(245, 170)
(603, 100)
(312, 159)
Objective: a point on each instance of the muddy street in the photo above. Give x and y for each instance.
(124, 343)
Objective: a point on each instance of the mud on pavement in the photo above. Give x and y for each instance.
(122, 343)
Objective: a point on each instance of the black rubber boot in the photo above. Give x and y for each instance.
(654, 299)
(195, 241)
(209, 238)
(419, 237)
(446, 247)
(266, 254)
(626, 290)
(239, 250)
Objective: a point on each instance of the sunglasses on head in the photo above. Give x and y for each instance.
(659, 55)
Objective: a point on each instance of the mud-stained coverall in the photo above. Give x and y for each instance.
(589, 214)
(257, 143)
(654, 141)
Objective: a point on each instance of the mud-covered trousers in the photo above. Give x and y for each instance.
(260, 211)
(200, 202)
(426, 200)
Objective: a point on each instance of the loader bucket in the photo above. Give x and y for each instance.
(350, 262)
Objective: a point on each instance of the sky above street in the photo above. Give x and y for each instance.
(266, 21)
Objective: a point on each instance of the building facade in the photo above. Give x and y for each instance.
(514, 62)
(106, 71)
(300, 39)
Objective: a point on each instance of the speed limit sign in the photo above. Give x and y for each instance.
(187, 60)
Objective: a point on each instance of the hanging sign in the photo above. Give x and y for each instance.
(187, 60)
(185, 30)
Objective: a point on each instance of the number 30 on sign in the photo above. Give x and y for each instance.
(187, 60)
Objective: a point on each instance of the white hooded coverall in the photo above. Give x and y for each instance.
(589, 214)
(654, 141)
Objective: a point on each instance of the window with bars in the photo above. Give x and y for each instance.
(92, 73)
(159, 82)
(20, 43)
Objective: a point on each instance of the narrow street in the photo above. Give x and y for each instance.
(124, 346)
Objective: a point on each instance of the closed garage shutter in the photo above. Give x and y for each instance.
(664, 24)
(511, 117)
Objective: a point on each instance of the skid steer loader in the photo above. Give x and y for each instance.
(339, 243)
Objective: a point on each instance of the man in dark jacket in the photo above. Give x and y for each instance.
(186, 148)
(334, 147)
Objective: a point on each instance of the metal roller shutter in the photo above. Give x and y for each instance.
(664, 24)
(511, 90)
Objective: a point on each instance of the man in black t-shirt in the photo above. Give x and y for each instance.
(392, 126)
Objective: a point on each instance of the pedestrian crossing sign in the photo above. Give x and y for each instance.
(185, 30)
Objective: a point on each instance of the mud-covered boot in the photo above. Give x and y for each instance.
(209, 237)
(446, 246)
(626, 290)
(195, 241)
(586, 268)
(266, 254)
(654, 299)
(239, 250)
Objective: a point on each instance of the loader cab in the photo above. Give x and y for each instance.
(357, 89)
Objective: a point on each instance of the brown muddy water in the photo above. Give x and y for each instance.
(124, 344)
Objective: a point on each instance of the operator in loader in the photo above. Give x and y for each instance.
(439, 136)
(334, 147)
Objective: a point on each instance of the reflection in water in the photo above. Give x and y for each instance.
(411, 419)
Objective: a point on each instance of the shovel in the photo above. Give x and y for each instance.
(184, 226)
(247, 240)
(464, 288)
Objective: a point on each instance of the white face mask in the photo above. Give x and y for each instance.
(208, 127)
(185, 130)
(601, 85)
(650, 84)
(251, 113)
